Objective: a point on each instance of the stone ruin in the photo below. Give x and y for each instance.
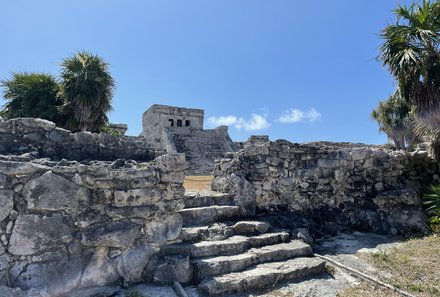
(180, 130)
(84, 214)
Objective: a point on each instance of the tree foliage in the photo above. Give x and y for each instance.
(395, 118)
(31, 95)
(87, 88)
(411, 52)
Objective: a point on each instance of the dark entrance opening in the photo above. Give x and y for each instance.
(179, 123)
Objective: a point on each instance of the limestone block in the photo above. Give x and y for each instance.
(51, 192)
(137, 197)
(100, 270)
(175, 269)
(60, 135)
(164, 229)
(141, 212)
(251, 227)
(398, 197)
(171, 162)
(20, 168)
(132, 263)
(33, 234)
(56, 277)
(6, 203)
(116, 234)
(17, 292)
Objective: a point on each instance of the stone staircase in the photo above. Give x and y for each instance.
(230, 254)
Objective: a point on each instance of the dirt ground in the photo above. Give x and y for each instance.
(198, 183)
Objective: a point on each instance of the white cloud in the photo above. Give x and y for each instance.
(255, 123)
(297, 115)
(222, 121)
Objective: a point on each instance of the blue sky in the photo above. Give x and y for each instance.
(297, 70)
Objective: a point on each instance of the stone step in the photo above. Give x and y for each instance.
(221, 231)
(206, 198)
(225, 264)
(233, 245)
(208, 214)
(262, 276)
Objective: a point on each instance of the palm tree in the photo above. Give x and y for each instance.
(31, 95)
(395, 118)
(87, 87)
(411, 52)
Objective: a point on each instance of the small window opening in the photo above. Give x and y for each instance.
(171, 122)
(179, 123)
(187, 123)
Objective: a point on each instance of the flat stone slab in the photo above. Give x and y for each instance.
(226, 264)
(232, 245)
(221, 231)
(206, 198)
(208, 214)
(262, 276)
(33, 234)
(251, 227)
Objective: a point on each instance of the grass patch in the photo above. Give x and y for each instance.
(414, 267)
(198, 182)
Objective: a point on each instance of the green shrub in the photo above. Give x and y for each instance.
(431, 200)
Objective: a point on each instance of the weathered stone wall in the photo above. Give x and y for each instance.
(337, 185)
(67, 225)
(201, 147)
(42, 138)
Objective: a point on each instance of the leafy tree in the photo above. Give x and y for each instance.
(31, 95)
(411, 53)
(395, 118)
(87, 87)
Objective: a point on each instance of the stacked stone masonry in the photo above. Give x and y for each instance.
(67, 225)
(42, 138)
(338, 186)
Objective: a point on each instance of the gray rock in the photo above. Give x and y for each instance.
(263, 276)
(6, 203)
(132, 263)
(116, 234)
(137, 197)
(56, 277)
(20, 168)
(17, 292)
(251, 227)
(2, 181)
(304, 234)
(163, 229)
(33, 234)
(171, 162)
(175, 269)
(100, 270)
(51, 192)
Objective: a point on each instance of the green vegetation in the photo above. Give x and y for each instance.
(411, 52)
(396, 119)
(31, 95)
(80, 102)
(87, 88)
(432, 204)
